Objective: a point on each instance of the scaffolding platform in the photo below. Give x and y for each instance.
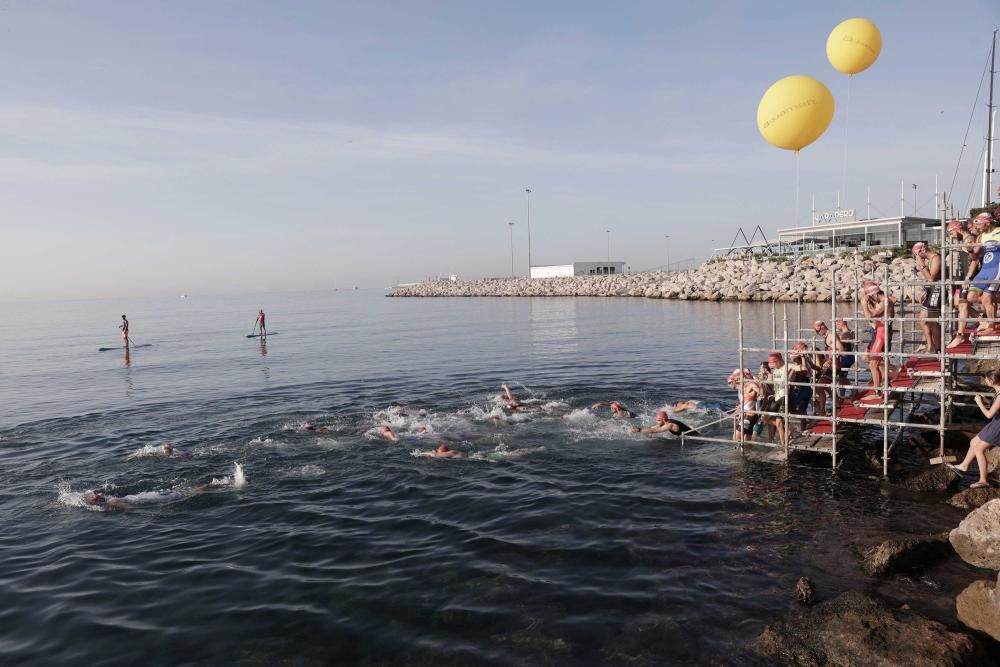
(913, 383)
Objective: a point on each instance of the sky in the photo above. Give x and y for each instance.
(224, 146)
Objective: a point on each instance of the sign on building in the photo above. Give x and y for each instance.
(840, 215)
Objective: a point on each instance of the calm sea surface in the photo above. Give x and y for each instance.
(561, 539)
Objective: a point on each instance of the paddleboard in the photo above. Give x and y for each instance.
(272, 333)
(122, 347)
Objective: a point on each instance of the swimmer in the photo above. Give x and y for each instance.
(508, 396)
(166, 450)
(445, 452)
(617, 409)
(314, 429)
(387, 433)
(123, 503)
(663, 425)
(684, 406)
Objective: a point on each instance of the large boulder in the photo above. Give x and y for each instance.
(938, 478)
(978, 607)
(977, 538)
(857, 629)
(970, 499)
(899, 555)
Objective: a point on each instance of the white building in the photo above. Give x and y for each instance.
(838, 234)
(577, 269)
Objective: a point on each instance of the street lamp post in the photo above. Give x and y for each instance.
(510, 225)
(528, 199)
(609, 245)
(667, 236)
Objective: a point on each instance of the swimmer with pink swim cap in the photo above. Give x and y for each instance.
(386, 432)
(664, 424)
(443, 451)
(617, 409)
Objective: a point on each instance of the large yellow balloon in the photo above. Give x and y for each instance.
(794, 112)
(853, 46)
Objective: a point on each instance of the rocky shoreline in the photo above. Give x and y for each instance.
(862, 627)
(813, 279)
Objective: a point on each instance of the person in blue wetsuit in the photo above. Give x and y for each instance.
(987, 281)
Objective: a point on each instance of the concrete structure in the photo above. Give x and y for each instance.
(873, 234)
(577, 269)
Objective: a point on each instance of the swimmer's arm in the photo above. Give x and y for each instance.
(598, 406)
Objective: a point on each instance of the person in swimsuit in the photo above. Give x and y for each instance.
(776, 401)
(124, 327)
(800, 369)
(133, 500)
(825, 363)
(929, 265)
(387, 433)
(312, 428)
(444, 452)
(617, 409)
(166, 450)
(261, 322)
(877, 306)
(663, 425)
(747, 396)
(960, 233)
(989, 436)
(987, 281)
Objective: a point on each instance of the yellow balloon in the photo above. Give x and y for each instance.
(853, 46)
(794, 112)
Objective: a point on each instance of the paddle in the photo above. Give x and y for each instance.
(254, 329)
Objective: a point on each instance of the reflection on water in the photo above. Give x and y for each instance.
(553, 325)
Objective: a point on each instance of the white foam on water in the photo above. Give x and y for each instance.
(555, 406)
(71, 498)
(581, 416)
(146, 451)
(503, 453)
(236, 481)
(308, 471)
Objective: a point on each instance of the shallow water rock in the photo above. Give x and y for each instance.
(938, 478)
(977, 538)
(970, 499)
(905, 554)
(857, 629)
(978, 607)
(805, 591)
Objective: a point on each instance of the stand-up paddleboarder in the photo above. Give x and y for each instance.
(124, 327)
(261, 322)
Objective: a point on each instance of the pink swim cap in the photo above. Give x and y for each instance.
(800, 347)
(443, 449)
(956, 226)
(819, 325)
(918, 248)
(662, 414)
(871, 288)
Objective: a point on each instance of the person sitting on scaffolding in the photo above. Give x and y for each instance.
(987, 281)
(928, 263)
(747, 396)
(880, 309)
(959, 233)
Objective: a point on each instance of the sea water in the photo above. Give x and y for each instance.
(560, 538)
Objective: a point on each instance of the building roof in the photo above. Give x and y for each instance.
(849, 224)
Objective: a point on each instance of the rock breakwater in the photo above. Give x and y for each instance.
(809, 278)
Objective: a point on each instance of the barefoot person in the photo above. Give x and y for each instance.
(261, 322)
(617, 410)
(928, 263)
(989, 436)
(987, 282)
(664, 424)
(747, 396)
(124, 327)
(968, 254)
(877, 307)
